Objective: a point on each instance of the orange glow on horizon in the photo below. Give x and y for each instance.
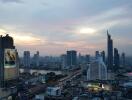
(24, 38)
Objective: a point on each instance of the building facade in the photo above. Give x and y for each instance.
(123, 60)
(116, 60)
(97, 54)
(103, 56)
(26, 59)
(71, 58)
(97, 70)
(36, 59)
(109, 51)
(87, 58)
(64, 61)
(9, 60)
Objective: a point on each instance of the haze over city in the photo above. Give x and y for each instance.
(52, 27)
(65, 50)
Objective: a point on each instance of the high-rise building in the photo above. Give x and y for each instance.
(36, 59)
(103, 56)
(116, 59)
(87, 58)
(97, 54)
(81, 59)
(71, 58)
(9, 62)
(26, 59)
(110, 51)
(64, 61)
(123, 61)
(97, 70)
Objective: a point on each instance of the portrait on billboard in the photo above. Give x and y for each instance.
(10, 69)
(10, 58)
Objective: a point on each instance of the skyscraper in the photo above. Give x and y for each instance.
(103, 55)
(87, 58)
(110, 51)
(71, 58)
(36, 59)
(80, 58)
(9, 66)
(116, 59)
(26, 59)
(97, 54)
(64, 61)
(123, 61)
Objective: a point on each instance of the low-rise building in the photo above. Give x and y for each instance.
(53, 91)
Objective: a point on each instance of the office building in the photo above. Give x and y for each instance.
(123, 60)
(87, 58)
(97, 54)
(71, 58)
(36, 59)
(97, 70)
(26, 59)
(9, 67)
(110, 52)
(64, 61)
(103, 56)
(80, 58)
(116, 60)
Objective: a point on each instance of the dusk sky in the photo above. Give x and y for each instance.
(55, 26)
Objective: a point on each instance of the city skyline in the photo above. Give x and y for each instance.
(55, 27)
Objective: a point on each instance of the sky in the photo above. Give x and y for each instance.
(55, 26)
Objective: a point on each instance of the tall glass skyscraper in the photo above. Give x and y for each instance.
(110, 51)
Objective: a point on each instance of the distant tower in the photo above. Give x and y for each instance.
(36, 59)
(110, 51)
(64, 61)
(103, 55)
(87, 58)
(80, 58)
(71, 58)
(116, 60)
(123, 59)
(26, 59)
(97, 54)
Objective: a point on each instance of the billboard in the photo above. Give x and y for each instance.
(10, 58)
(10, 66)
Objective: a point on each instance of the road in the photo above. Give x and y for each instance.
(70, 77)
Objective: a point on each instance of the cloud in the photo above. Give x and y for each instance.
(28, 39)
(11, 1)
(63, 24)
